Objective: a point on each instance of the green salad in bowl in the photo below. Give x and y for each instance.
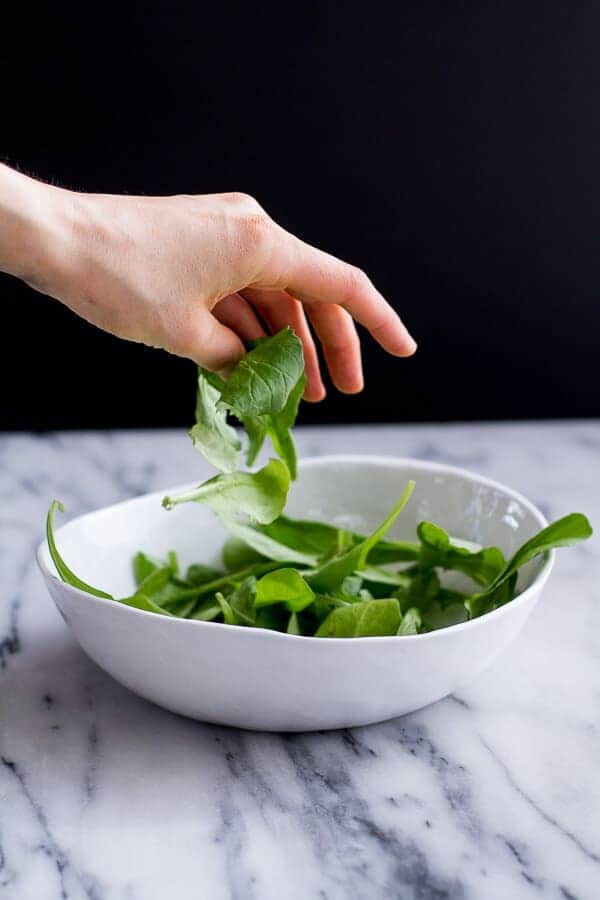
(300, 576)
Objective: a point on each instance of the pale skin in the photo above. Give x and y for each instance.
(195, 275)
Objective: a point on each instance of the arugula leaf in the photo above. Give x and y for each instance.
(440, 616)
(264, 546)
(229, 616)
(386, 552)
(411, 622)
(141, 601)
(173, 562)
(212, 436)
(420, 589)
(332, 573)
(564, 532)
(66, 574)
(198, 574)
(237, 553)
(369, 619)
(143, 565)
(275, 617)
(264, 378)
(352, 585)
(293, 624)
(317, 539)
(279, 427)
(377, 575)
(323, 540)
(242, 601)
(260, 495)
(438, 550)
(284, 586)
(256, 431)
(486, 601)
(207, 611)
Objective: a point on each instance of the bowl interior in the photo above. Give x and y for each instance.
(353, 492)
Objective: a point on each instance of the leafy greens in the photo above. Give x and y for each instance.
(305, 577)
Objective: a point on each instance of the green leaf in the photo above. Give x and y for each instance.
(419, 590)
(207, 611)
(411, 622)
(275, 618)
(486, 601)
(264, 378)
(144, 565)
(564, 532)
(212, 436)
(317, 539)
(323, 540)
(242, 601)
(386, 552)
(256, 430)
(237, 553)
(66, 574)
(284, 586)
(229, 616)
(279, 426)
(198, 574)
(264, 546)
(260, 495)
(173, 562)
(440, 616)
(332, 573)
(293, 624)
(437, 549)
(156, 580)
(166, 592)
(351, 585)
(141, 601)
(368, 619)
(376, 575)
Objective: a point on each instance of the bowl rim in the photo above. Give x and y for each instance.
(47, 566)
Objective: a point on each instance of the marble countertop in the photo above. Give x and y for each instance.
(492, 795)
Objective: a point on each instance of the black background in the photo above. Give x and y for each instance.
(450, 149)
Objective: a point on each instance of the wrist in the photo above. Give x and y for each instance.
(34, 226)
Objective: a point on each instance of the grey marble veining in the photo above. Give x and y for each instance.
(490, 795)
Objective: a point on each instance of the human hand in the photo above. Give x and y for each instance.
(198, 275)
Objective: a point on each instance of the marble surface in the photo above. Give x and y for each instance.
(492, 794)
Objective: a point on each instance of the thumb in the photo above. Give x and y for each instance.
(215, 346)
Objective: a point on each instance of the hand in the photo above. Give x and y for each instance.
(199, 275)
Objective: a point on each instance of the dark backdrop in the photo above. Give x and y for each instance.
(450, 149)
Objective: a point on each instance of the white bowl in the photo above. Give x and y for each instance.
(259, 679)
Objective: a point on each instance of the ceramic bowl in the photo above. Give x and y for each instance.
(258, 679)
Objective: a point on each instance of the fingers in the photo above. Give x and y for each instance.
(211, 345)
(317, 277)
(238, 315)
(278, 310)
(341, 346)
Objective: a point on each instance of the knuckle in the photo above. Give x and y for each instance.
(257, 230)
(345, 344)
(358, 280)
(245, 202)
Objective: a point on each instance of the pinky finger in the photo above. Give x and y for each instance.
(341, 345)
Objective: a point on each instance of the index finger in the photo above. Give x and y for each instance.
(313, 276)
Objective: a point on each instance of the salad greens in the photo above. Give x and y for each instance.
(298, 576)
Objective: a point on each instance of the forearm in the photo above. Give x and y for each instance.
(30, 225)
